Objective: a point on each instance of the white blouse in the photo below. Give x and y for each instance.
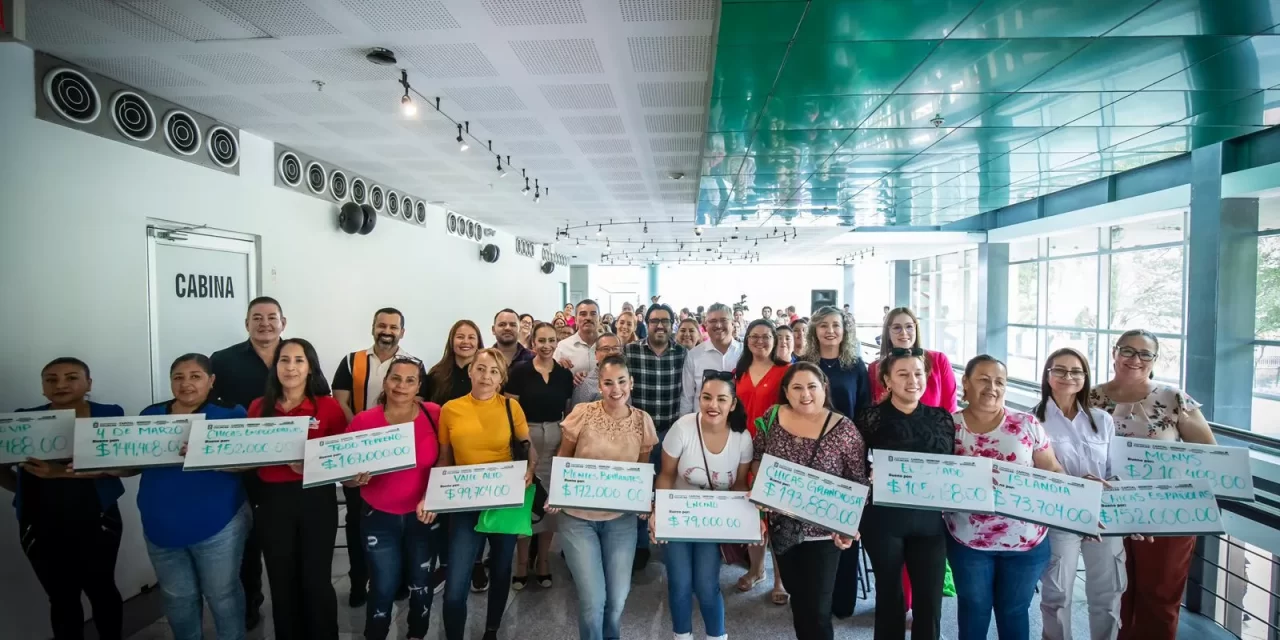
(1081, 450)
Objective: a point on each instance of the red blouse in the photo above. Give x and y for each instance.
(757, 398)
(327, 420)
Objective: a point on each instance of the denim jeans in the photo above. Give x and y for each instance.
(464, 543)
(393, 544)
(693, 568)
(655, 458)
(599, 554)
(1001, 580)
(207, 571)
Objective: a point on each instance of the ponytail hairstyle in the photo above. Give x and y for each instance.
(737, 418)
(884, 366)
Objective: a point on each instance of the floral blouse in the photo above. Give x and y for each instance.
(1013, 442)
(842, 453)
(1155, 416)
(598, 436)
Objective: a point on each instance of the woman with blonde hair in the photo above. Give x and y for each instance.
(626, 327)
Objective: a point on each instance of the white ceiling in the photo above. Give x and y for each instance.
(598, 99)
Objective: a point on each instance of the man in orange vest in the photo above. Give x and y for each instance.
(356, 387)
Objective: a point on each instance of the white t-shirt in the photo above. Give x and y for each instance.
(683, 444)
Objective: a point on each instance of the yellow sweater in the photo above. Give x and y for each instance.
(478, 430)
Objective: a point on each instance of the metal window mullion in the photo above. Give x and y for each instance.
(1104, 302)
(1042, 303)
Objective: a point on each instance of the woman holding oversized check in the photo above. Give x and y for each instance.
(1143, 408)
(600, 545)
(479, 428)
(983, 546)
(810, 434)
(395, 538)
(297, 525)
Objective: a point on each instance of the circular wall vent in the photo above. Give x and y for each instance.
(406, 208)
(224, 149)
(451, 222)
(181, 132)
(420, 212)
(72, 95)
(471, 229)
(338, 185)
(132, 116)
(376, 198)
(289, 168)
(317, 179)
(359, 194)
(393, 204)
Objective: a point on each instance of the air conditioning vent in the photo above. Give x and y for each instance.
(317, 178)
(393, 204)
(181, 132)
(72, 95)
(224, 149)
(359, 194)
(133, 116)
(290, 168)
(338, 185)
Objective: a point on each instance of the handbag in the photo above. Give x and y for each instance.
(512, 520)
(520, 451)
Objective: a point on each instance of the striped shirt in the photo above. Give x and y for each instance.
(657, 381)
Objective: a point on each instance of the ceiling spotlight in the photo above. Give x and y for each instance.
(525, 190)
(599, 229)
(502, 173)
(537, 191)
(462, 144)
(407, 107)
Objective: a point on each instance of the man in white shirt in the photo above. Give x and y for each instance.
(574, 352)
(720, 352)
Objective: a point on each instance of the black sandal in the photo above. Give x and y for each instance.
(519, 582)
(544, 581)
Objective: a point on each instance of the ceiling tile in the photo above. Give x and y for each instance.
(459, 60)
(513, 126)
(228, 107)
(398, 150)
(140, 71)
(125, 21)
(615, 162)
(665, 54)
(524, 13)
(240, 68)
(49, 24)
(279, 18)
(535, 148)
(398, 15)
(667, 10)
(333, 65)
(558, 57)
(672, 94)
(356, 129)
(621, 176)
(605, 145)
(578, 96)
(593, 125)
(676, 145)
(166, 16)
(495, 98)
(674, 122)
(289, 132)
(309, 103)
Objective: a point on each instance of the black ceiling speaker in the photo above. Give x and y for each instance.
(548, 267)
(370, 219)
(489, 253)
(350, 217)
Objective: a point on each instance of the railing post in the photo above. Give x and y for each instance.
(1202, 581)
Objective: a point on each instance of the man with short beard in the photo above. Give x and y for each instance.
(506, 332)
(574, 352)
(720, 352)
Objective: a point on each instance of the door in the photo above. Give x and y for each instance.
(200, 288)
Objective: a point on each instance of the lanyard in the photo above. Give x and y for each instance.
(697, 419)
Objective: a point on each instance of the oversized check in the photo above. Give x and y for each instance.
(476, 487)
(240, 443)
(805, 494)
(932, 481)
(341, 457)
(705, 516)
(43, 435)
(131, 442)
(1055, 500)
(1160, 508)
(1226, 469)
(601, 485)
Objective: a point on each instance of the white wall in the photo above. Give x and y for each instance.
(692, 285)
(73, 272)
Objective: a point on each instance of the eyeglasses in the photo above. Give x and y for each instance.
(661, 322)
(1076, 374)
(902, 328)
(713, 374)
(609, 349)
(759, 339)
(913, 352)
(1130, 352)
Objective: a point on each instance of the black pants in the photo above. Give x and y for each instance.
(73, 557)
(926, 559)
(845, 595)
(251, 564)
(355, 538)
(297, 528)
(809, 575)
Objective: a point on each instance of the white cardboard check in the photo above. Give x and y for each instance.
(1055, 500)
(705, 516)
(246, 442)
(818, 498)
(43, 435)
(131, 442)
(1160, 509)
(932, 481)
(601, 485)
(476, 487)
(1226, 469)
(376, 451)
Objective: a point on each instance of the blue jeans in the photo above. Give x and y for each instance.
(1001, 580)
(393, 544)
(599, 554)
(655, 458)
(464, 543)
(693, 568)
(207, 571)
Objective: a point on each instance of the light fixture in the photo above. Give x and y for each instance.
(407, 107)
(462, 144)
(599, 229)
(502, 173)
(537, 191)
(525, 190)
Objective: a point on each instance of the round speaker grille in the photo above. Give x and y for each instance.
(420, 212)
(317, 179)
(289, 168)
(376, 198)
(224, 150)
(338, 185)
(181, 132)
(406, 208)
(451, 223)
(471, 229)
(393, 204)
(359, 194)
(132, 116)
(72, 95)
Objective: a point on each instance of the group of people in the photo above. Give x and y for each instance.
(704, 415)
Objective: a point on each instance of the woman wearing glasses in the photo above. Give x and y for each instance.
(526, 330)
(1144, 408)
(758, 379)
(709, 450)
(1081, 438)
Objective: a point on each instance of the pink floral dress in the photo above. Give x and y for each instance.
(1013, 442)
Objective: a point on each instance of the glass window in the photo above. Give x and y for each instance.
(1267, 319)
(948, 261)
(1085, 342)
(971, 294)
(1268, 214)
(971, 258)
(1160, 230)
(1169, 365)
(922, 297)
(1266, 390)
(1024, 250)
(1074, 243)
(951, 339)
(1073, 292)
(970, 343)
(1146, 290)
(921, 265)
(1024, 281)
(950, 295)
(1022, 354)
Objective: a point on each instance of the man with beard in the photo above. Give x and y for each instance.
(657, 368)
(356, 386)
(506, 332)
(574, 352)
(720, 352)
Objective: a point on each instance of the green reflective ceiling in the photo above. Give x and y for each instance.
(822, 112)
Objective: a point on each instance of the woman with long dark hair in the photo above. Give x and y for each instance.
(705, 451)
(296, 525)
(1145, 408)
(448, 379)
